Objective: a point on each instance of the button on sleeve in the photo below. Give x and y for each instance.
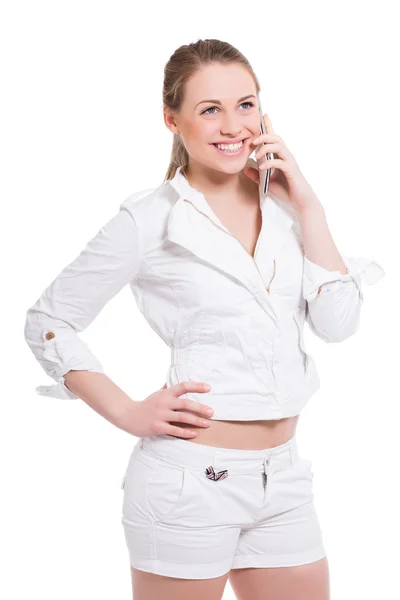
(110, 260)
(334, 299)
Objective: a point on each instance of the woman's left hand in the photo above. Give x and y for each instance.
(286, 181)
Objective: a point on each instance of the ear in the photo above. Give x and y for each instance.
(169, 120)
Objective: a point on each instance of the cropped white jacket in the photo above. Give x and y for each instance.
(230, 320)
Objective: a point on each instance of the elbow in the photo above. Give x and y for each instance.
(335, 323)
(339, 333)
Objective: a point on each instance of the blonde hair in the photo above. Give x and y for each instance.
(183, 63)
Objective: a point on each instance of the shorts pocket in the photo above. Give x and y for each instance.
(304, 468)
(126, 470)
(138, 473)
(167, 490)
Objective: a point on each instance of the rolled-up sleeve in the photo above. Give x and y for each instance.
(334, 299)
(110, 260)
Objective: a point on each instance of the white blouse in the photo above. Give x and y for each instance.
(230, 320)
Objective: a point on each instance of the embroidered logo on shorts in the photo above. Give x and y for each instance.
(211, 474)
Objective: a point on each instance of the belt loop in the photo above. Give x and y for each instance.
(267, 462)
(293, 453)
(214, 456)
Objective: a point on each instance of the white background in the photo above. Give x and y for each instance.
(82, 129)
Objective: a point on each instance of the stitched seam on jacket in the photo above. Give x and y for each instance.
(157, 274)
(137, 228)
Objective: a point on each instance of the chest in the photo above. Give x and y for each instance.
(243, 220)
(211, 269)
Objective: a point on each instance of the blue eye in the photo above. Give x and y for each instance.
(207, 109)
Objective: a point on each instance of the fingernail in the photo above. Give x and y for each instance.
(207, 387)
(209, 411)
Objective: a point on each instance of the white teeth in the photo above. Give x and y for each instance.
(230, 147)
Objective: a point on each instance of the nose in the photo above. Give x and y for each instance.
(230, 127)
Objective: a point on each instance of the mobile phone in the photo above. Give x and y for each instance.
(264, 174)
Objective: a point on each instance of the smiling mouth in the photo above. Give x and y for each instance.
(228, 143)
(235, 152)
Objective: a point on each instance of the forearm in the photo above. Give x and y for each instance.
(318, 243)
(333, 299)
(101, 394)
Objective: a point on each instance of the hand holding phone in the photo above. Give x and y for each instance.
(264, 174)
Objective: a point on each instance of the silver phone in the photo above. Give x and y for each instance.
(264, 174)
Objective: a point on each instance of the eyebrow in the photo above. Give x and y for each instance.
(218, 102)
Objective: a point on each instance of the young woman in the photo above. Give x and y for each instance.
(227, 276)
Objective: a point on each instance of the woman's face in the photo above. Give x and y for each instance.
(226, 118)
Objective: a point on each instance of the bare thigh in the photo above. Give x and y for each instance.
(303, 582)
(147, 586)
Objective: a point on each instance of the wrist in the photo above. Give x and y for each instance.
(126, 413)
(313, 207)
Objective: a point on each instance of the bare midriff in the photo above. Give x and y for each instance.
(244, 435)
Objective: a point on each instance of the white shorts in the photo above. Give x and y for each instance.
(195, 512)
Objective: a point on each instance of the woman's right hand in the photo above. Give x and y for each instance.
(154, 415)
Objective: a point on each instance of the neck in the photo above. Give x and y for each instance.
(219, 185)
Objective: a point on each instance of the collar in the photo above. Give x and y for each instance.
(184, 190)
